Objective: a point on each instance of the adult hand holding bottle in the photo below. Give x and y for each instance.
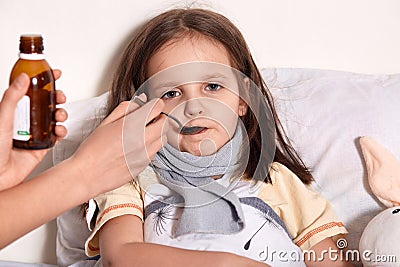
(97, 166)
(16, 164)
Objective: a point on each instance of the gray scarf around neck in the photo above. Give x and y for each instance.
(209, 207)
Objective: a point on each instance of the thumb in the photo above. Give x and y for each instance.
(12, 95)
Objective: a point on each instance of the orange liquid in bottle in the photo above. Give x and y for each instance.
(34, 119)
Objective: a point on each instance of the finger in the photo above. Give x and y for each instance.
(150, 110)
(133, 105)
(61, 115)
(157, 108)
(153, 147)
(155, 139)
(57, 74)
(60, 97)
(156, 130)
(12, 95)
(144, 116)
(154, 107)
(137, 101)
(60, 131)
(117, 113)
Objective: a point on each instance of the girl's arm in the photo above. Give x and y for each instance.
(326, 254)
(121, 244)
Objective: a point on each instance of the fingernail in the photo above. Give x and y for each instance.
(138, 101)
(143, 97)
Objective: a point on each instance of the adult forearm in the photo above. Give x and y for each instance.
(39, 200)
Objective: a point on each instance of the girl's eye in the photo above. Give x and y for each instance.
(171, 94)
(213, 87)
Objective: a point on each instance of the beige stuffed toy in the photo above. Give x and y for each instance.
(380, 241)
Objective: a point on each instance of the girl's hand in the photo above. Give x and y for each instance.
(16, 164)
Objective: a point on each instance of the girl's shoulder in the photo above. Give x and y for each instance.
(284, 183)
(280, 173)
(283, 180)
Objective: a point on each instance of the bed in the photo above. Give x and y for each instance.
(324, 113)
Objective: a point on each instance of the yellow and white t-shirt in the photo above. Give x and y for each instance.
(283, 216)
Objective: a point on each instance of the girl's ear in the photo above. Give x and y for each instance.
(242, 104)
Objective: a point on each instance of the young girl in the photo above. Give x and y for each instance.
(209, 221)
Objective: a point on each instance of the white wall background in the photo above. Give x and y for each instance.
(86, 38)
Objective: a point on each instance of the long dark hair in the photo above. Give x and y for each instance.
(177, 23)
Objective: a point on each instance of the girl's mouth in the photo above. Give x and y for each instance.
(191, 130)
(187, 130)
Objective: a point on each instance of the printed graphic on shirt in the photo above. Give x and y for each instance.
(263, 227)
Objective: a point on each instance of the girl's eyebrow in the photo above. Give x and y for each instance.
(204, 78)
(214, 75)
(167, 84)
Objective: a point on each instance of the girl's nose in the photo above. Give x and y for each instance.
(194, 107)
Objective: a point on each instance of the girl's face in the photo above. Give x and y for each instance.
(205, 103)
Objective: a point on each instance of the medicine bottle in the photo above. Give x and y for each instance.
(34, 116)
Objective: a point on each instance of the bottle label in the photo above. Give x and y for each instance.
(22, 120)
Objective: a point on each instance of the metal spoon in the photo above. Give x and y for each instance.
(182, 129)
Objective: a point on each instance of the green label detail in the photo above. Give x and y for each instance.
(22, 133)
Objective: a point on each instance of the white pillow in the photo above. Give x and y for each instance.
(72, 232)
(324, 113)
